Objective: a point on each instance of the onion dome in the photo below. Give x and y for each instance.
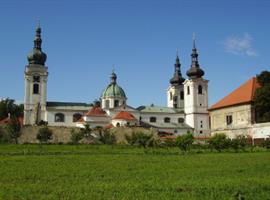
(177, 78)
(195, 71)
(113, 89)
(36, 56)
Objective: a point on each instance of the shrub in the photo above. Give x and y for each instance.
(86, 131)
(106, 137)
(141, 139)
(184, 141)
(240, 142)
(266, 144)
(4, 137)
(76, 136)
(219, 142)
(14, 130)
(44, 134)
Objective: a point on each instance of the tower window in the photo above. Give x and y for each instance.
(77, 117)
(59, 117)
(107, 104)
(199, 89)
(116, 103)
(36, 88)
(188, 90)
(170, 96)
(181, 95)
(153, 119)
(167, 120)
(175, 101)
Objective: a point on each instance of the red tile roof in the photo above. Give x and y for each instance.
(8, 120)
(244, 94)
(96, 111)
(124, 116)
(109, 126)
(81, 120)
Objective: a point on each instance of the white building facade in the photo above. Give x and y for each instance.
(186, 111)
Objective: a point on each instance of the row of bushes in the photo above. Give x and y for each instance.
(218, 142)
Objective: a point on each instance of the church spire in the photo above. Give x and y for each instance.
(177, 78)
(195, 71)
(36, 56)
(113, 77)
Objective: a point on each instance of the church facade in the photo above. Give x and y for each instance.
(186, 110)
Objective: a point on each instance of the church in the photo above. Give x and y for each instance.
(186, 110)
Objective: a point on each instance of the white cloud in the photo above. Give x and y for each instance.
(240, 45)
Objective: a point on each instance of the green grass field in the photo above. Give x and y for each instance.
(119, 172)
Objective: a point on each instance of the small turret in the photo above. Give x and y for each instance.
(36, 56)
(195, 71)
(177, 78)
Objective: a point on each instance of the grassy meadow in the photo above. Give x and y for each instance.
(123, 172)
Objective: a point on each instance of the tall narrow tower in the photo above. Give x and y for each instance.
(35, 77)
(196, 96)
(175, 92)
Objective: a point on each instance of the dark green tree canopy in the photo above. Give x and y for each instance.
(8, 106)
(262, 98)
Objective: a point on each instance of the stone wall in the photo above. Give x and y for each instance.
(62, 134)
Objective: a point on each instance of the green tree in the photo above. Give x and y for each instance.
(14, 129)
(140, 139)
(185, 141)
(44, 134)
(219, 142)
(262, 98)
(76, 136)
(106, 137)
(8, 106)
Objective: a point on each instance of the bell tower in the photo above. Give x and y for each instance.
(196, 96)
(175, 92)
(35, 77)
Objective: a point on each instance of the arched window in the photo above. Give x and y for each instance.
(170, 96)
(77, 117)
(59, 117)
(199, 89)
(188, 90)
(167, 120)
(181, 120)
(36, 88)
(181, 95)
(153, 119)
(116, 103)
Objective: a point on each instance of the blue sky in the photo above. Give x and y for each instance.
(85, 39)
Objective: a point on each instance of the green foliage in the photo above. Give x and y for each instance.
(262, 98)
(266, 144)
(141, 139)
(76, 136)
(240, 142)
(8, 106)
(169, 142)
(86, 131)
(14, 130)
(185, 141)
(106, 137)
(44, 134)
(4, 137)
(219, 142)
